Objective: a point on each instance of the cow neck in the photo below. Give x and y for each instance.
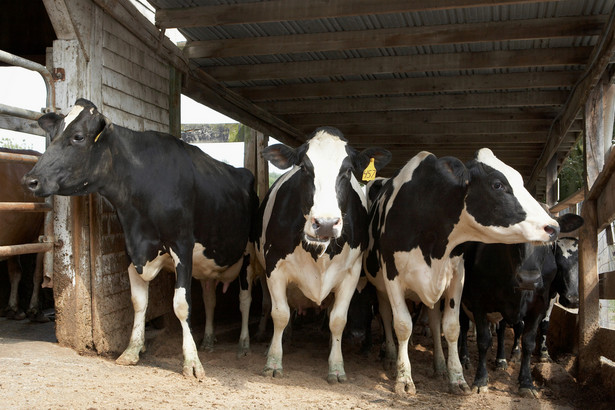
(114, 172)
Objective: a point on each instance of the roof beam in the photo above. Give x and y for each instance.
(530, 29)
(599, 59)
(541, 57)
(287, 10)
(420, 102)
(508, 81)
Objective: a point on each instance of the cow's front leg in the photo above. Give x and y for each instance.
(208, 287)
(35, 313)
(337, 322)
(528, 343)
(403, 328)
(182, 256)
(500, 357)
(450, 327)
(246, 277)
(13, 311)
(139, 290)
(483, 342)
(280, 313)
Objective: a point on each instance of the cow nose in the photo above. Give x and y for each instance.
(529, 279)
(325, 227)
(569, 301)
(552, 231)
(31, 183)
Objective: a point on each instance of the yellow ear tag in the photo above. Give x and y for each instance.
(96, 139)
(369, 174)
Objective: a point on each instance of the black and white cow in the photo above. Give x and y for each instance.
(312, 234)
(179, 208)
(421, 214)
(517, 281)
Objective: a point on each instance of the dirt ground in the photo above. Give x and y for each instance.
(38, 373)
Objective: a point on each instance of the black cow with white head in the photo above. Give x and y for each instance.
(514, 284)
(179, 209)
(312, 235)
(420, 215)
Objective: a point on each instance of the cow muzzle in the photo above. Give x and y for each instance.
(322, 230)
(529, 279)
(569, 301)
(36, 186)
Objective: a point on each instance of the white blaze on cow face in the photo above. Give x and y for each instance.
(72, 115)
(533, 227)
(326, 154)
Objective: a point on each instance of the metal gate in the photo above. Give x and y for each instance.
(46, 242)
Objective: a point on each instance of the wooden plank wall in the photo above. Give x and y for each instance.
(135, 94)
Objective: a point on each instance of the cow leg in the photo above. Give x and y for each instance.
(515, 353)
(280, 313)
(500, 358)
(403, 328)
(182, 256)
(337, 322)
(528, 344)
(139, 290)
(483, 341)
(543, 329)
(35, 313)
(464, 326)
(245, 300)
(450, 328)
(265, 311)
(435, 326)
(386, 314)
(208, 287)
(12, 311)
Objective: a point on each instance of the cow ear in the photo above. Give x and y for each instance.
(569, 222)
(105, 126)
(455, 170)
(380, 155)
(281, 156)
(50, 123)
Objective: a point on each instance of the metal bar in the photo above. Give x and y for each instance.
(21, 158)
(12, 250)
(14, 60)
(25, 207)
(19, 112)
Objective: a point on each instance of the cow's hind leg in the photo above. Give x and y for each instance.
(450, 327)
(386, 314)
(139, 290)
(245, 300)
(13, 311)
(208, 287)
(35, 313)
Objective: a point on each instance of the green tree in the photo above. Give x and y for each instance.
(571, 173)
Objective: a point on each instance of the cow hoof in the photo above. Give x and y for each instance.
(336, 378)
(501, 364)
(243, 350)
(528, 392)
(207, 345)
(460, 388)
(544, 357)
(515, 356)
(127, 359)
(269, 372)
(36, 316)
(194, 369)
(480, 389)
(15, 314)
(403, 388)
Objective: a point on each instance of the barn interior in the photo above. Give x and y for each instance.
(526, 78)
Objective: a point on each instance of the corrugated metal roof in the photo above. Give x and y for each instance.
(367, 63)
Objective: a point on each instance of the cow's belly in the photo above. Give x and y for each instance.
(317, 279)
(419, 281)
(202, 267)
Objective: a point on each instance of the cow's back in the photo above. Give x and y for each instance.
(17, 227)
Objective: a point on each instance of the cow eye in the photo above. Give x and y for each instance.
(497, 185)
(78, 138)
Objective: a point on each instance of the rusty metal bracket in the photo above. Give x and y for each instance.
(59, 74)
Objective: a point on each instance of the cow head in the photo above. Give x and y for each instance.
(566, 281)
(72, 162)
(500, 206)
(327, 166)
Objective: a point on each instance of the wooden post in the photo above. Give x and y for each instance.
(262, 166)
(175, 87)
(551, 196)
(249, 153)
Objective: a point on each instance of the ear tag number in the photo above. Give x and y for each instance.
(369, 174)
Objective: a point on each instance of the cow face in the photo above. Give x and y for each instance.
(500, 204)
(70, 164)
(566, 282)
(326, 165)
